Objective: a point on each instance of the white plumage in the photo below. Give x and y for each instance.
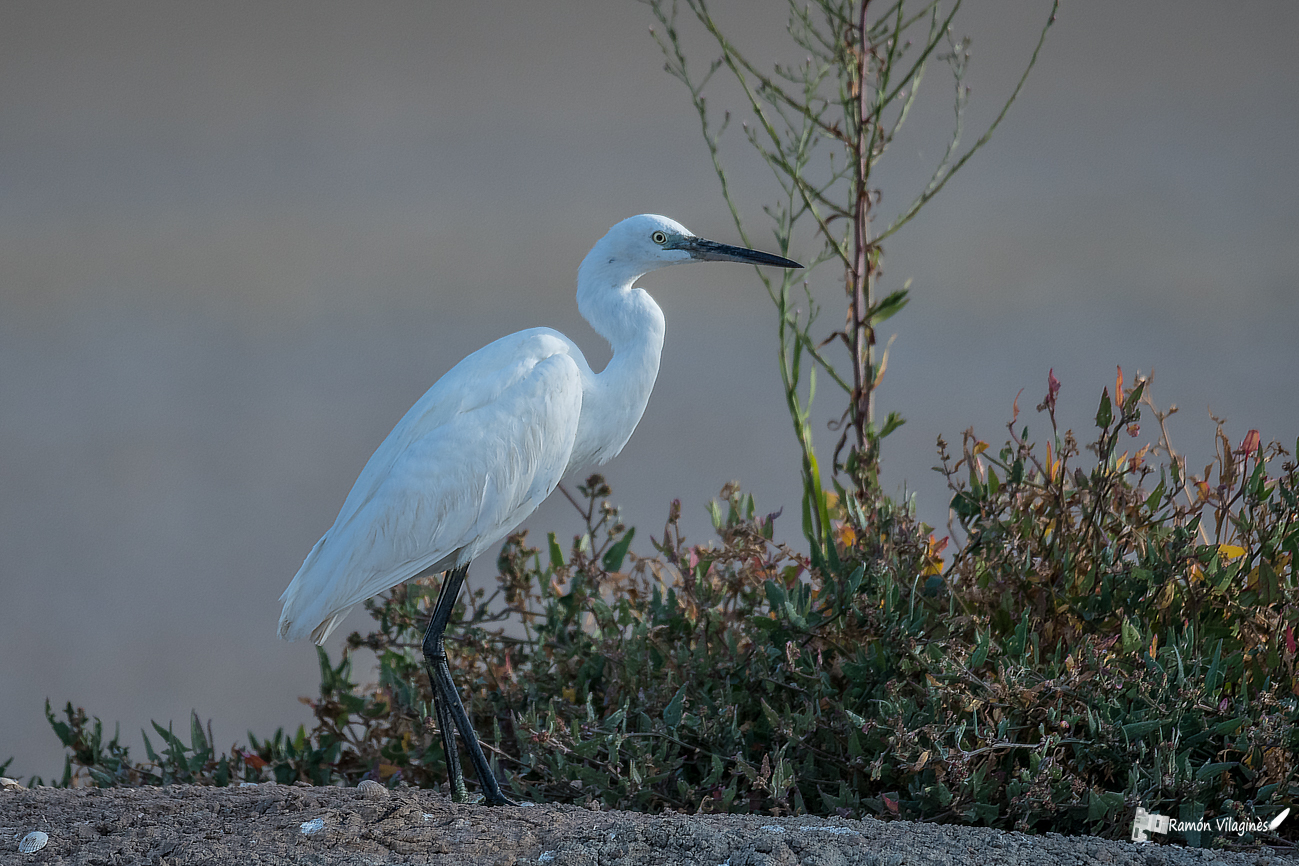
(487, 443)
(469, 461)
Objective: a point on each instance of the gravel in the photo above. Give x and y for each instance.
(278, 824)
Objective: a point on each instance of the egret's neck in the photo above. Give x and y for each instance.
(633, 324)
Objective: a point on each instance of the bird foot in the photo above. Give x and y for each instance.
(499, 800)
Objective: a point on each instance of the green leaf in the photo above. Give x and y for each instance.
(891, 423)
(715, 515)
(775, 594)
(1155, 497)
(1214, 769)
(197, 738)
(614, 556)
(1137, 730)
(1134, 397)
(62, 731)
(855, 579)
(1100, 805)
(672, 712)
(890, 306)
(1211, 680)
(980, 654)
(556, 553)
(1230, 726)
(1268, 585)
(1105, 414)
(773, 717)
(794, 618)
(1016, 472)
(1132, 639)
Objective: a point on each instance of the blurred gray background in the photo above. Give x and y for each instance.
(237, 241)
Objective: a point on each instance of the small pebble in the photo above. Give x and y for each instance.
(372, 790)
(32, 842)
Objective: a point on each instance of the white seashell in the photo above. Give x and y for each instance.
(6, 782)
(372, 790)
(32, 842)
(248, 784)
(312, 827)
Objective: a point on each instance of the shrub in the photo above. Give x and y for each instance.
(1112, 632)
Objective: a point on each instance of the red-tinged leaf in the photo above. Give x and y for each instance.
(890, 803)
(1289, 639)
(1014, 409)
(1118, 388)
(1252, 442)
(1052, 389)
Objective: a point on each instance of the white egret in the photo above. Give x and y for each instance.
(485, 445)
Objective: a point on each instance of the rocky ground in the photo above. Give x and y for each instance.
(277, 824)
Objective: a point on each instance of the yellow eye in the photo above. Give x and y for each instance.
(659, 238)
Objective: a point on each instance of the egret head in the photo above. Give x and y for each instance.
(646, 242)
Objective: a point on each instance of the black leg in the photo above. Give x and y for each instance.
(447, 703)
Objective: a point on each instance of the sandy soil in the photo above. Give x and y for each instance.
(277, 824)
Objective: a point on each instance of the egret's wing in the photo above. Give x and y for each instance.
(476, 382)
(473, 458)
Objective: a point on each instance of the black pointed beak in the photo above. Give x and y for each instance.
(711, 251)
